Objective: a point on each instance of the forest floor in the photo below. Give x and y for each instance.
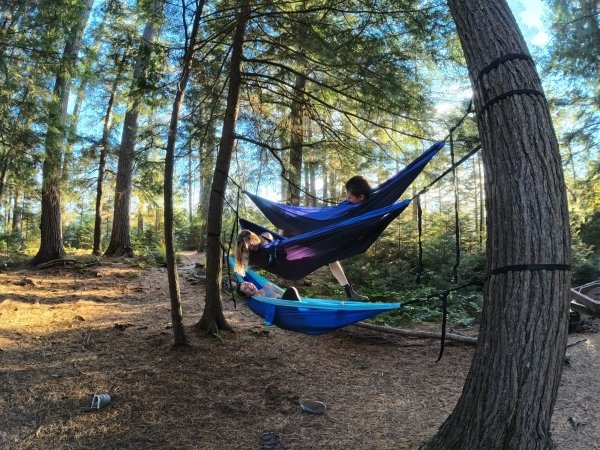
(66, 334)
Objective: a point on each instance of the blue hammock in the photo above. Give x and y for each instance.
(309, 315)
(295, 220)
(295, 257)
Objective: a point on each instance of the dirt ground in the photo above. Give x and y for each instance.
(66, 334)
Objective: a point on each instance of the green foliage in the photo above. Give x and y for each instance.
(590, 231)
(79, 234)
(573, 67)
(150, 248)
(464, 308)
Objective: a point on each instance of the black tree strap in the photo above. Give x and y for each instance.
(461, 120)
(525, 267)
(500, 60)
(444, 296)
(444, 322)
(420, 230)
(509, 94)
(226, 252)
(456, 219)
(230, 179)
(210, 234)
(447, 171)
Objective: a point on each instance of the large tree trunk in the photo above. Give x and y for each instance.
(509, 395)
(120, 237)
(179, 335)
(51, 245)
(213, 319)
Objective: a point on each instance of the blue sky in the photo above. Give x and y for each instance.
(529, 14)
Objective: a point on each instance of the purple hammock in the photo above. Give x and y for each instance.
(295, 220)
(295, 257)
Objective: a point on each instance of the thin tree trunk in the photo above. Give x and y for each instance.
(179, 335)
(72, 132)
(17, 214)
(312, 183)
(213, 319)
(81, 93)
(333, 191)
(306, 185)
(190, 185)
(4, 166)
(481, 203)
(140, 220)
(510, 391)
(51, 245)
(120, 238)
(296, 139)
(206, 165)
(102, 159)
(325, 172)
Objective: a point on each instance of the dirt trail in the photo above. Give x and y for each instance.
(67, 334)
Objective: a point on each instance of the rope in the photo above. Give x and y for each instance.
(456, 218)
(444, 322)
(444, 296)
(447, 171)
(226, 253)
(461, 120)
(420, 230)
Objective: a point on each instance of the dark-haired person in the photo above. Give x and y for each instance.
(358, 190)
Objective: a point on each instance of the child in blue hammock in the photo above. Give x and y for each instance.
(358, 190)
(248, 289)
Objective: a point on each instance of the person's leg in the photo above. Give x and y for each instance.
(340, 276)
(338, 273)
(291, 294)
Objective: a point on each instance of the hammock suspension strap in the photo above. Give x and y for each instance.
(526, 267)
(420, 231)
(456, 218)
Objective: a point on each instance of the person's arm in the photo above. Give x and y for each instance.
(271, 291)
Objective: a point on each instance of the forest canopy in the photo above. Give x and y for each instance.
(328, 90)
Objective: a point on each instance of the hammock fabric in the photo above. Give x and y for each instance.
(295, 257)
(309, 315)
(295, 220)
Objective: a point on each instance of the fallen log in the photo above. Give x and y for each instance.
(417, 333)
(56, 262)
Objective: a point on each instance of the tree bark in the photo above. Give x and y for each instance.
(120, 238)
(79, 99)
(510, 391)
(206, 169)
(102, 159)
(179, 335)
(17, 214)
(213, 319)
(51, 245)
(296, 139)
